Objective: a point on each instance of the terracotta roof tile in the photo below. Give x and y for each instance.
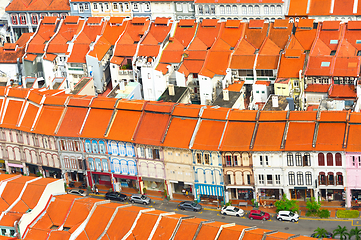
(130, 105)
(231, 233)
(186, 110)
(124, 125)
(56, 5)
(96, 123)
(232, 141)
(12, 113)
(166, 227)
(48, 120)
(29, 117)
(269, 136)
(242, 115)
(343, 7)
(342, 91)
(79, 211)
(72, 122)
(297, 8)
(209, 230)
(180, 132)
(209, 135)
(319, 7)
(215, 113)
(145, 225)
(162, 107)
(302, 116)
(354, 138)
(330, 136)
(333, 116)
(273, 116)
(320, 88)
(300, 136)
(187, 229)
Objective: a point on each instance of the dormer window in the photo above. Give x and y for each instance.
(86, 6)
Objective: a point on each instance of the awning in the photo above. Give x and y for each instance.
(172, 181)
(205, 189)
(15, 165)
(125, 176)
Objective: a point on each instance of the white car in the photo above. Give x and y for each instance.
(287, 216)
(232, 211)
(77, 192)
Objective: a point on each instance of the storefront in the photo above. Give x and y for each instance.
(16, 167)
(2, 166)
(100, 178)
(33, 169)
(301, 193)
(52, 172)
(209, 191)
(181, 187)
(153, 184)
(124, 181)
(270, 193)
(240, 193)
(333, 194)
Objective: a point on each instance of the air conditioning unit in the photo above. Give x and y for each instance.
(242, 78)
(297, 90)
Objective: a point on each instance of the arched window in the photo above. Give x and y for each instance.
(206, 9)
(234, 9)
(329, 159)
(266, 9)
(321, 159)
(290, 159)
(272, 9)
(279, 9)
(308, 177)
(213, 9)
(200, 9)
(338, 159)
(256, 10)
(322, 178)
(299, 178)
(306, 159)
(298, 159)
(228, 9)
(244, 9)
(291, 178)
(339, 178)
(330, 179)
(250, 9)
(221, 8)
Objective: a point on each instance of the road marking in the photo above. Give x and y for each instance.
(323, 219)
(356, 223)
(210, 209)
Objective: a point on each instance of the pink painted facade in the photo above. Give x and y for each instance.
(353, 176)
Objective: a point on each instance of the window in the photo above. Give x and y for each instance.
(359, 161)
(291, 178)
(321, 159)
(272, 9)
(22, 19)
(102, 148)
(261, 160)
(81, 8)
(200, 9)
(289, 159)
(206, 9)
(206, 158)
(95, 147)
(298, 159)
(42, 15)
(86, 6)
(278, 179)
(149, 153)
(105, 165)
(279, 10)
(141, 152)
(244, 9)
(34, 19)
(179, 7)
(260, 179)
(353, 161)
(95, 6)
(234, 9)
(221, 8)
(322, 178)
(80, 164)
(62, 145)
(12, 232)
(331, 180)
(126, 6)
(106, 6)
(156, 154)
(87, 147)
(338, 159)
(269, 179)
(308, 177)
(199, 158)
(256, 10)
(235, 160)
(147, 6)
(228, 9)
(228, 180)
(213, 9)
(250, 10)
(266, 161)
(306, 159)
(299, 178)
(228, 160)
(77, 146)
(91, 164)
(3, 232)
(329, 159)
(14, 19)
(265, 9)
(115, 6)
(339, 178)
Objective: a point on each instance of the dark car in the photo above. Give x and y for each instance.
(258, 214)
(115, 196)
(315, 235)
(188, 205)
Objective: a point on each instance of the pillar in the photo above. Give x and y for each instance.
(348, 197)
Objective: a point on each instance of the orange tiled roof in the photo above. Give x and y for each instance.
(320, 7)
(231, 233)
(354, 138)
(254, 234)
(330, 136)
(209, 135)
(269, 136)
(300, 136)
(297, 8)
(333, 116)
(231, 140)
(186, 110)
(188, 228)
(343, 7)
(44, 5)
(72, 122)
(342, 91)
(48, 120)
(124, 125)
(209, 230)
(167, 226)
(12, 113)
(96, 123)
(180, 132)
(318, 88)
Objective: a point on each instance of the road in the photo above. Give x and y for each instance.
(305, 226)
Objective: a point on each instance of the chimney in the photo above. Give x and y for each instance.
(171, 90)
(274, 101)
(225, 95)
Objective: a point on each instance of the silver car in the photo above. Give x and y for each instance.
(139, 198)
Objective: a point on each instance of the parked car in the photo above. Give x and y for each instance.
(258, 214)
(139, 198)
(77, 192)
(189, 205)
(287, 216)
(328, 235)
(232, 211)
(115, 196)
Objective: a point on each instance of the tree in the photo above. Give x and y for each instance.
(355, 232)
(342, 231)
(286, 205)
(313, 206)
(320, 233)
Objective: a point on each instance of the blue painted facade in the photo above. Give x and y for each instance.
(141, 9)
(82, 9)
(122, 158)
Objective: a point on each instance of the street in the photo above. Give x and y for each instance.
(305, 226)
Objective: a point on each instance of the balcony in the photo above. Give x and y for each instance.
(125, 72)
